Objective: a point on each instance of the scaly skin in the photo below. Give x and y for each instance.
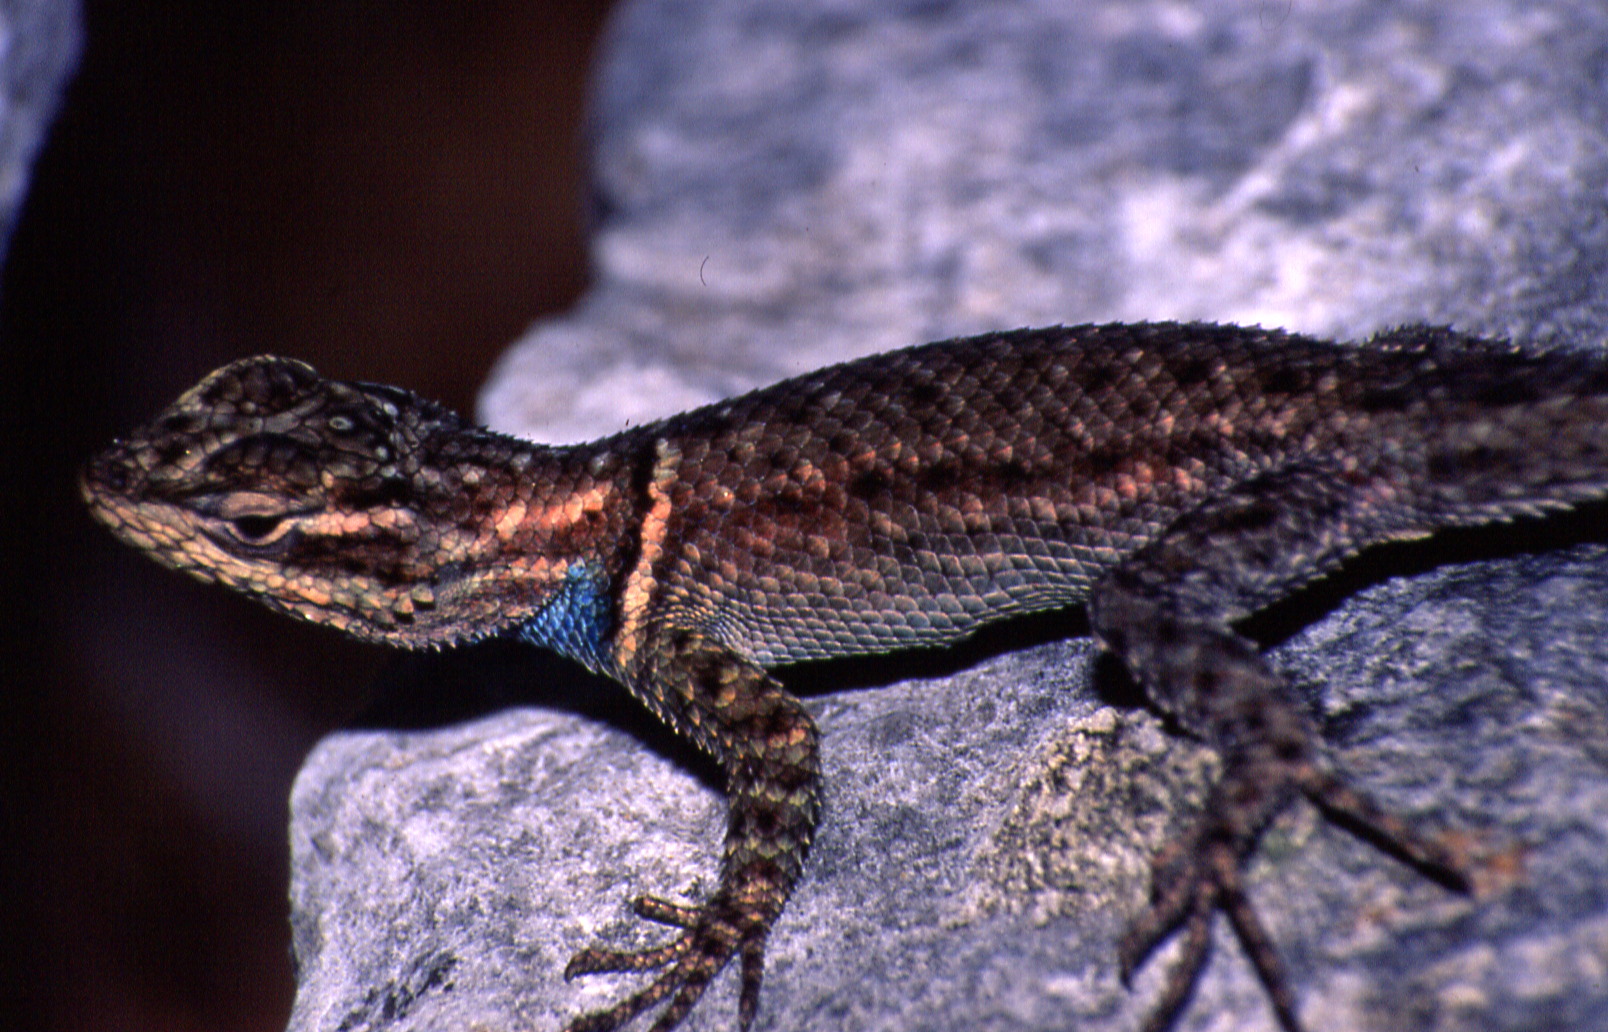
(1172, 478)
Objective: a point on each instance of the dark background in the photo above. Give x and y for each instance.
(387, 188)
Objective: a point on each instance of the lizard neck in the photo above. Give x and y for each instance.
(524, 535)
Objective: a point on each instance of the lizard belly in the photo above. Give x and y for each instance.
(894, 603)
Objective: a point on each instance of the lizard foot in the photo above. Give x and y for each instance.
(711, 935)
(1193, 877)
(1198, 873)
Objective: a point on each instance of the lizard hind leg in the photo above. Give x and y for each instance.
(1167, 612)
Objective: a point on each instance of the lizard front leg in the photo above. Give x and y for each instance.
(767, 747)
(1168, 612)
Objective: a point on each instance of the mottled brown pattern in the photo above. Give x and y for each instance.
(1173, 478)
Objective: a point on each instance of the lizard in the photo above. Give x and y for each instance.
(1171, 479)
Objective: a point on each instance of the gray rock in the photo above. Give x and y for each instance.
(39, 44)
(784, 184)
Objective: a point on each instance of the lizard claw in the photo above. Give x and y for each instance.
(1198, 873)
(712, 934)
(1193, 877)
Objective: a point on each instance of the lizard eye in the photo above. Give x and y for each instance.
(254, 519)
(256, 530)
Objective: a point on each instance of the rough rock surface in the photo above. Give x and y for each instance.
(39, 44)
(784, 183)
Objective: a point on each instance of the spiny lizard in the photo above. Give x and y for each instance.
(1174, 479)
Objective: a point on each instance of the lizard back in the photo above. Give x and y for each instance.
(909, 497)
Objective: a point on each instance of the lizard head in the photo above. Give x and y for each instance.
(315, 496)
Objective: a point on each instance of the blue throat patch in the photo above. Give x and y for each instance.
(576, 621)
